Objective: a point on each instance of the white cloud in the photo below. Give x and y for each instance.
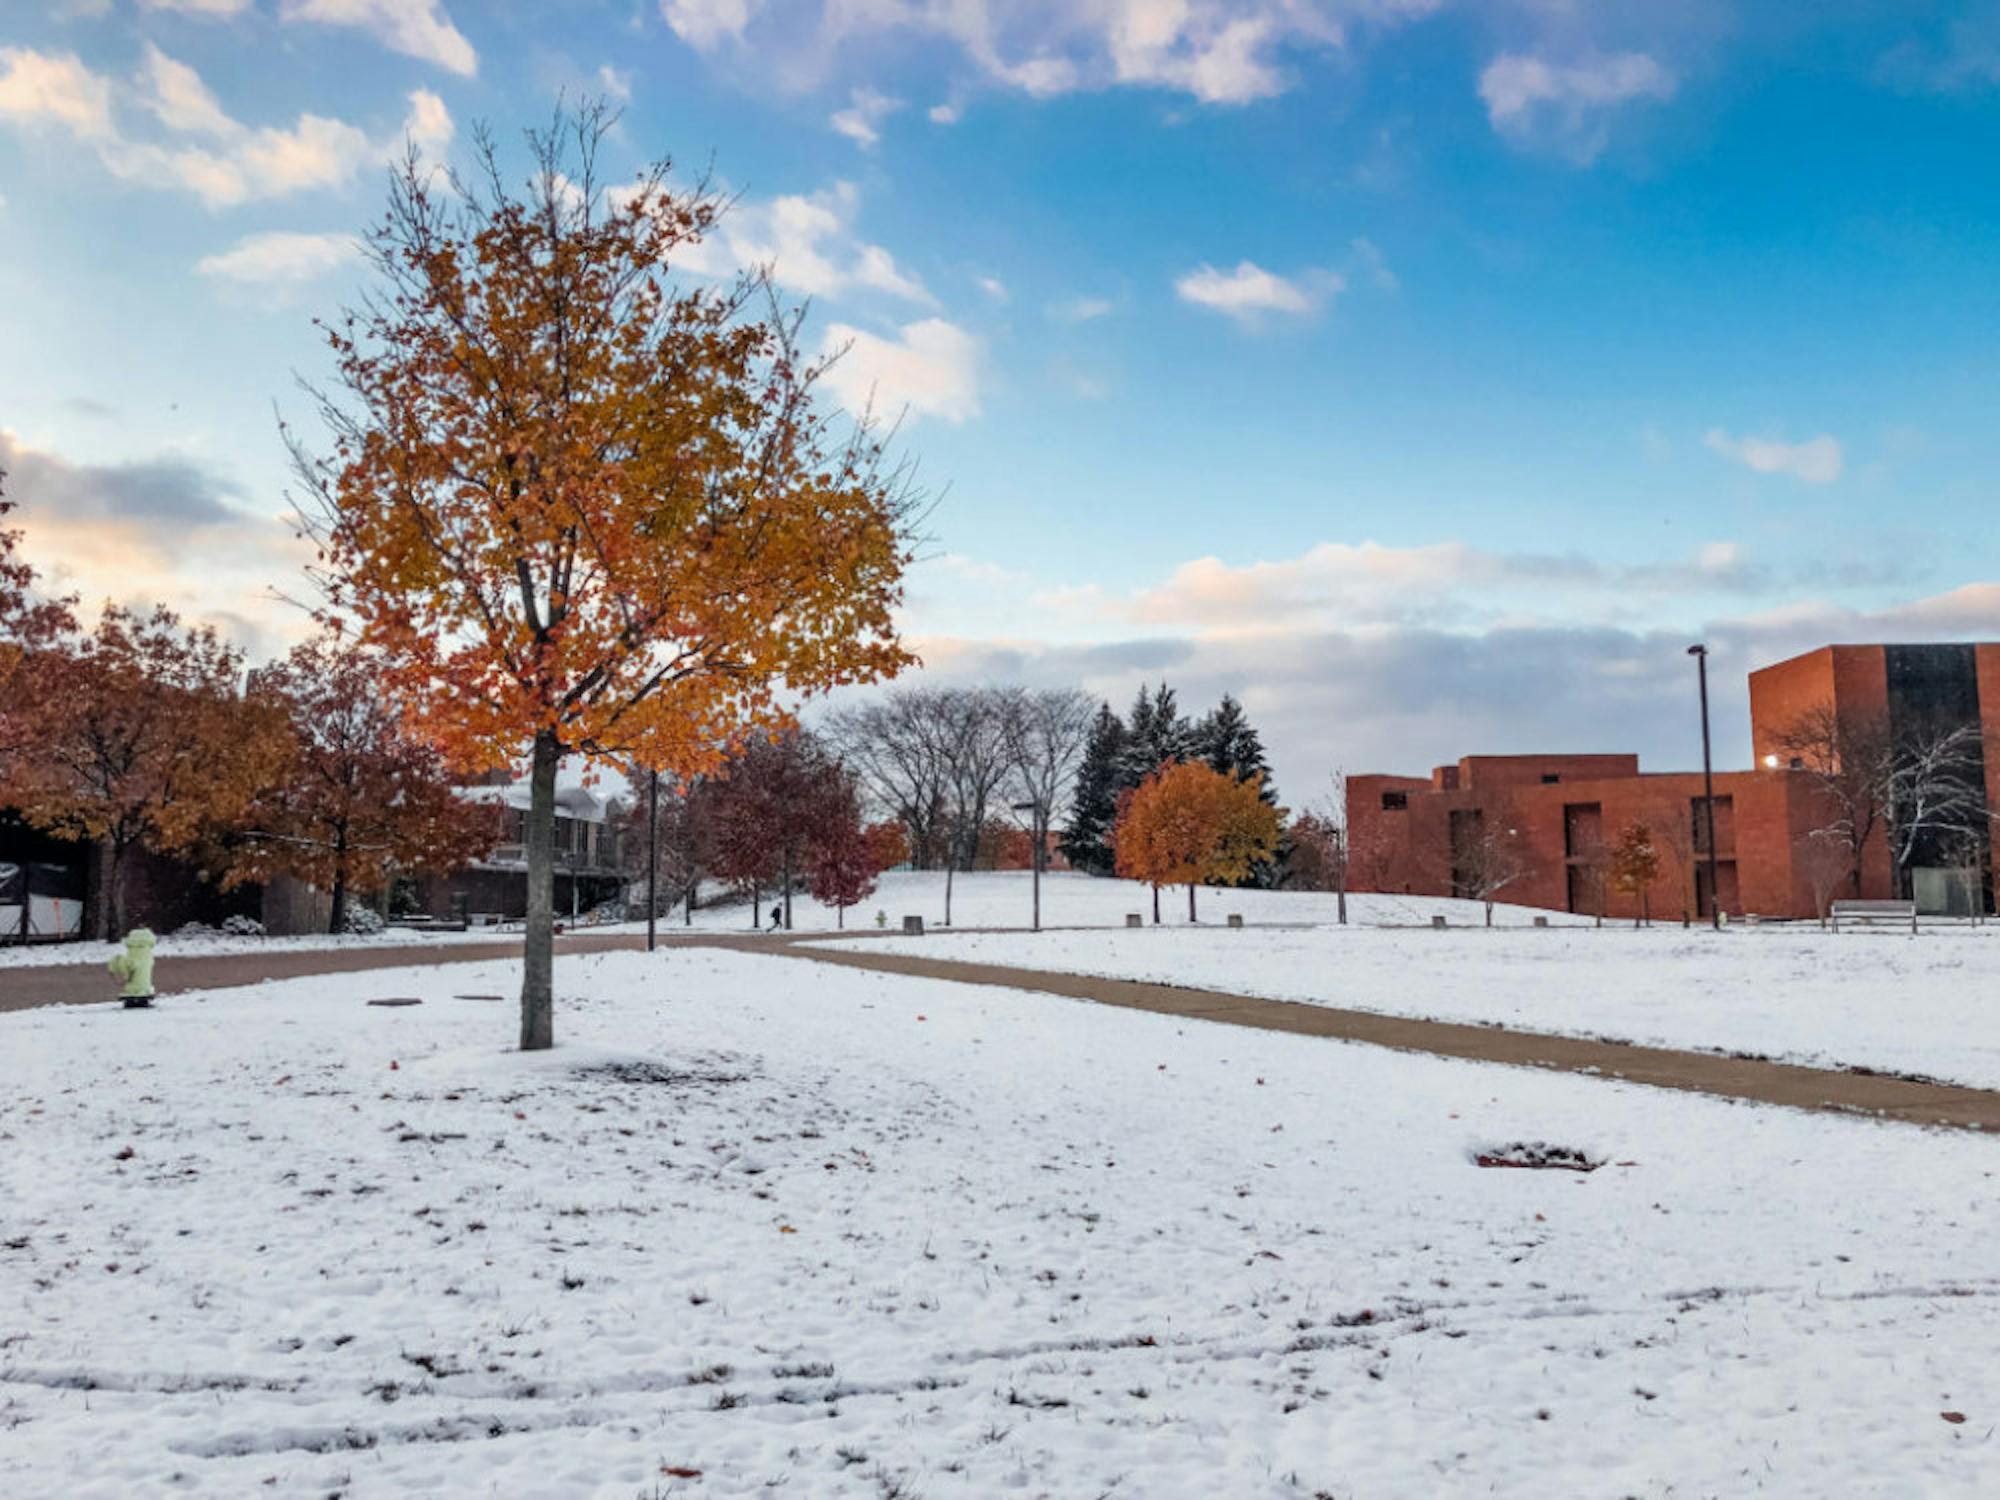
(993, 286)
(174, 92)
(42, 89)
(931, 368)
(1817, 460)
(212, 8)
(1081, 309)
(860, 122)
(281, 257)
(1250, 294)
(616, 82)
(946, 114)
(706, 24)
(1370, 262)
(204, 150)
(1440, 584)
(808, 242)
(1221, 52)
(876, 267)
(415, 28)
(1534, 101)
(429, 124)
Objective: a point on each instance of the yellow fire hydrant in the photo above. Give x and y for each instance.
(135, 968)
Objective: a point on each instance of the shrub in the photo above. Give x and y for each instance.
(242, 926)
(363, 921)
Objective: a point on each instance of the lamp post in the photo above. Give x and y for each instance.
(1700, 655)
(1034, 810)
(652, 855)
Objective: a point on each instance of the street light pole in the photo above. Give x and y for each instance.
(652, 855)
(1700, 655)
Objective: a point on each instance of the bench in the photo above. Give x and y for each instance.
(1867, 913)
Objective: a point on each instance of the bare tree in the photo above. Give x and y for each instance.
(976, 768)
(1826, 860)
(1317, 854)
(1849, 760)
(899, 748)
(1487, 857)
(1965, 858)
(1932, 797)
(1676, 842)
(1044, 732)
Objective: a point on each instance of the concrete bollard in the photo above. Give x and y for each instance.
(1133, 919)
(1541, 921)
(1437, 922)
(913, 927)
(1236, 919)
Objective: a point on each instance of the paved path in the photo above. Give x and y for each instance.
(1658, 1067)
(34, 985)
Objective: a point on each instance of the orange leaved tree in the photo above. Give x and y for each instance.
(360, 798)
(29, 622)
(1635, 865)
(140, 737)
(582, 509)
(1186, 824)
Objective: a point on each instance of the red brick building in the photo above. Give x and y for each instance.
(1558, 815)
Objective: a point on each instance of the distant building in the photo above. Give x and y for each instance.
(1559, 814)
(496, 888)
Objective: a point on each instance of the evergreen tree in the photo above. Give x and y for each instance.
(1085, 841)
(1155, 735)
(1228, 743)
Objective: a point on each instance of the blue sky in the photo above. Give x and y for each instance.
(1426, 374)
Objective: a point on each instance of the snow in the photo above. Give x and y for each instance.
(216, 944)
(819, 1232)
(980, 899)
(1928, 1004)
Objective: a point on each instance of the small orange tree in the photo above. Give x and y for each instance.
(1635, 865)
(1186, 824)
(583, 510)
(359, 798)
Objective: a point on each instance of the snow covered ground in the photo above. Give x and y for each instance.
(982, 899)
(815, 1232)
(1928, 1004)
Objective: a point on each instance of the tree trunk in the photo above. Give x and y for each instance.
(949, 864)
(1191, 916)
(687, 917)
(1489, 914)
(115, 892)
(756, 907)
(1156, 906)
(1340, 896)
(538, 1002)
(104, 879)
(788, 887)
(337, 918)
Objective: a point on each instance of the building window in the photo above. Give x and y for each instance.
(1395, 801)
(1550, 778)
